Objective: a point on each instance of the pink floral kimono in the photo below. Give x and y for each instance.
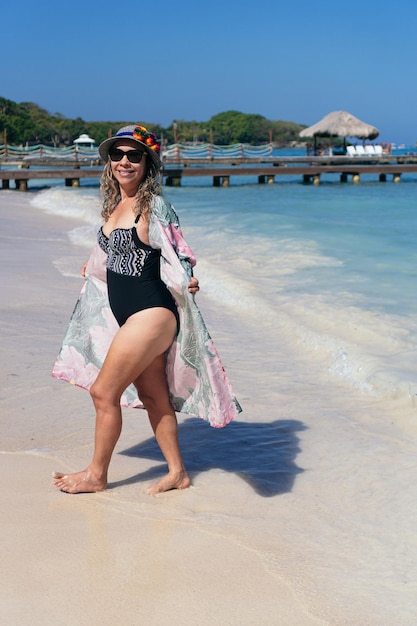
(197, 381)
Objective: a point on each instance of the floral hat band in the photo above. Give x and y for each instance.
(139, 134)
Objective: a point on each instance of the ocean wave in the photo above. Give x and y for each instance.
(344, 339)
(69, 203)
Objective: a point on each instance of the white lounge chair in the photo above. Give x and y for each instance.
(360, 151)
(370, 150)
(378, 150)
(351, 151)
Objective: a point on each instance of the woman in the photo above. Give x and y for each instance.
(160, 342)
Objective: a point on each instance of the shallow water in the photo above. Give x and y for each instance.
(331, 268)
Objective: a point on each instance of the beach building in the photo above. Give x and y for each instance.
(338, 124)
(84, 141)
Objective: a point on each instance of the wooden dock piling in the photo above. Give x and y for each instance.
(265, 171)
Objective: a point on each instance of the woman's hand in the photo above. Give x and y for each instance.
(84, 270)
(193, 285)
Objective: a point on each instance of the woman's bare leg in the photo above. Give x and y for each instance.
(139, 341)
(153, 391)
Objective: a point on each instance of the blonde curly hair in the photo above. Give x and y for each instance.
(147, 190)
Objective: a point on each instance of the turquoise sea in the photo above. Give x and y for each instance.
(332, 267)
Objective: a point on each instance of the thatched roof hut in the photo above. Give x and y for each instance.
(341, 124)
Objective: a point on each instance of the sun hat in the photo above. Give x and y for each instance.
(140, 135)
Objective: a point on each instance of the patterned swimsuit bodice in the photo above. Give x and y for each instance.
(128, 255)
(133, 275)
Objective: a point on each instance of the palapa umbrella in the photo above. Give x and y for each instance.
(340, 124)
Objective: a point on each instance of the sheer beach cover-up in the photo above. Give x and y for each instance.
(197, 381)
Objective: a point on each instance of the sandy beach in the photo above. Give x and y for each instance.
(322, 534)
(96, 559)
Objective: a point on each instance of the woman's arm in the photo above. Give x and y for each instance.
(168, 218)
(166, 214)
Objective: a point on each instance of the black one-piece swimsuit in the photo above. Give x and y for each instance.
(133, 275)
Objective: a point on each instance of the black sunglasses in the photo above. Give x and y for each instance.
(133, 156)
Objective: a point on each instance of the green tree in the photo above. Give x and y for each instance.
(29, 123)
(284, 133)
(236, 127)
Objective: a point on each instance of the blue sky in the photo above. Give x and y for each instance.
(158, 62)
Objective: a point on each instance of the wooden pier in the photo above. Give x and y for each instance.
(308, 169)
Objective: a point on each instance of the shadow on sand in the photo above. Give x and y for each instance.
(262, 454)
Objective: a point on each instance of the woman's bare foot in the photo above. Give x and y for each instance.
(173, 480)
(81, 482)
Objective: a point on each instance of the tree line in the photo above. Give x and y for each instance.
(26, 123)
